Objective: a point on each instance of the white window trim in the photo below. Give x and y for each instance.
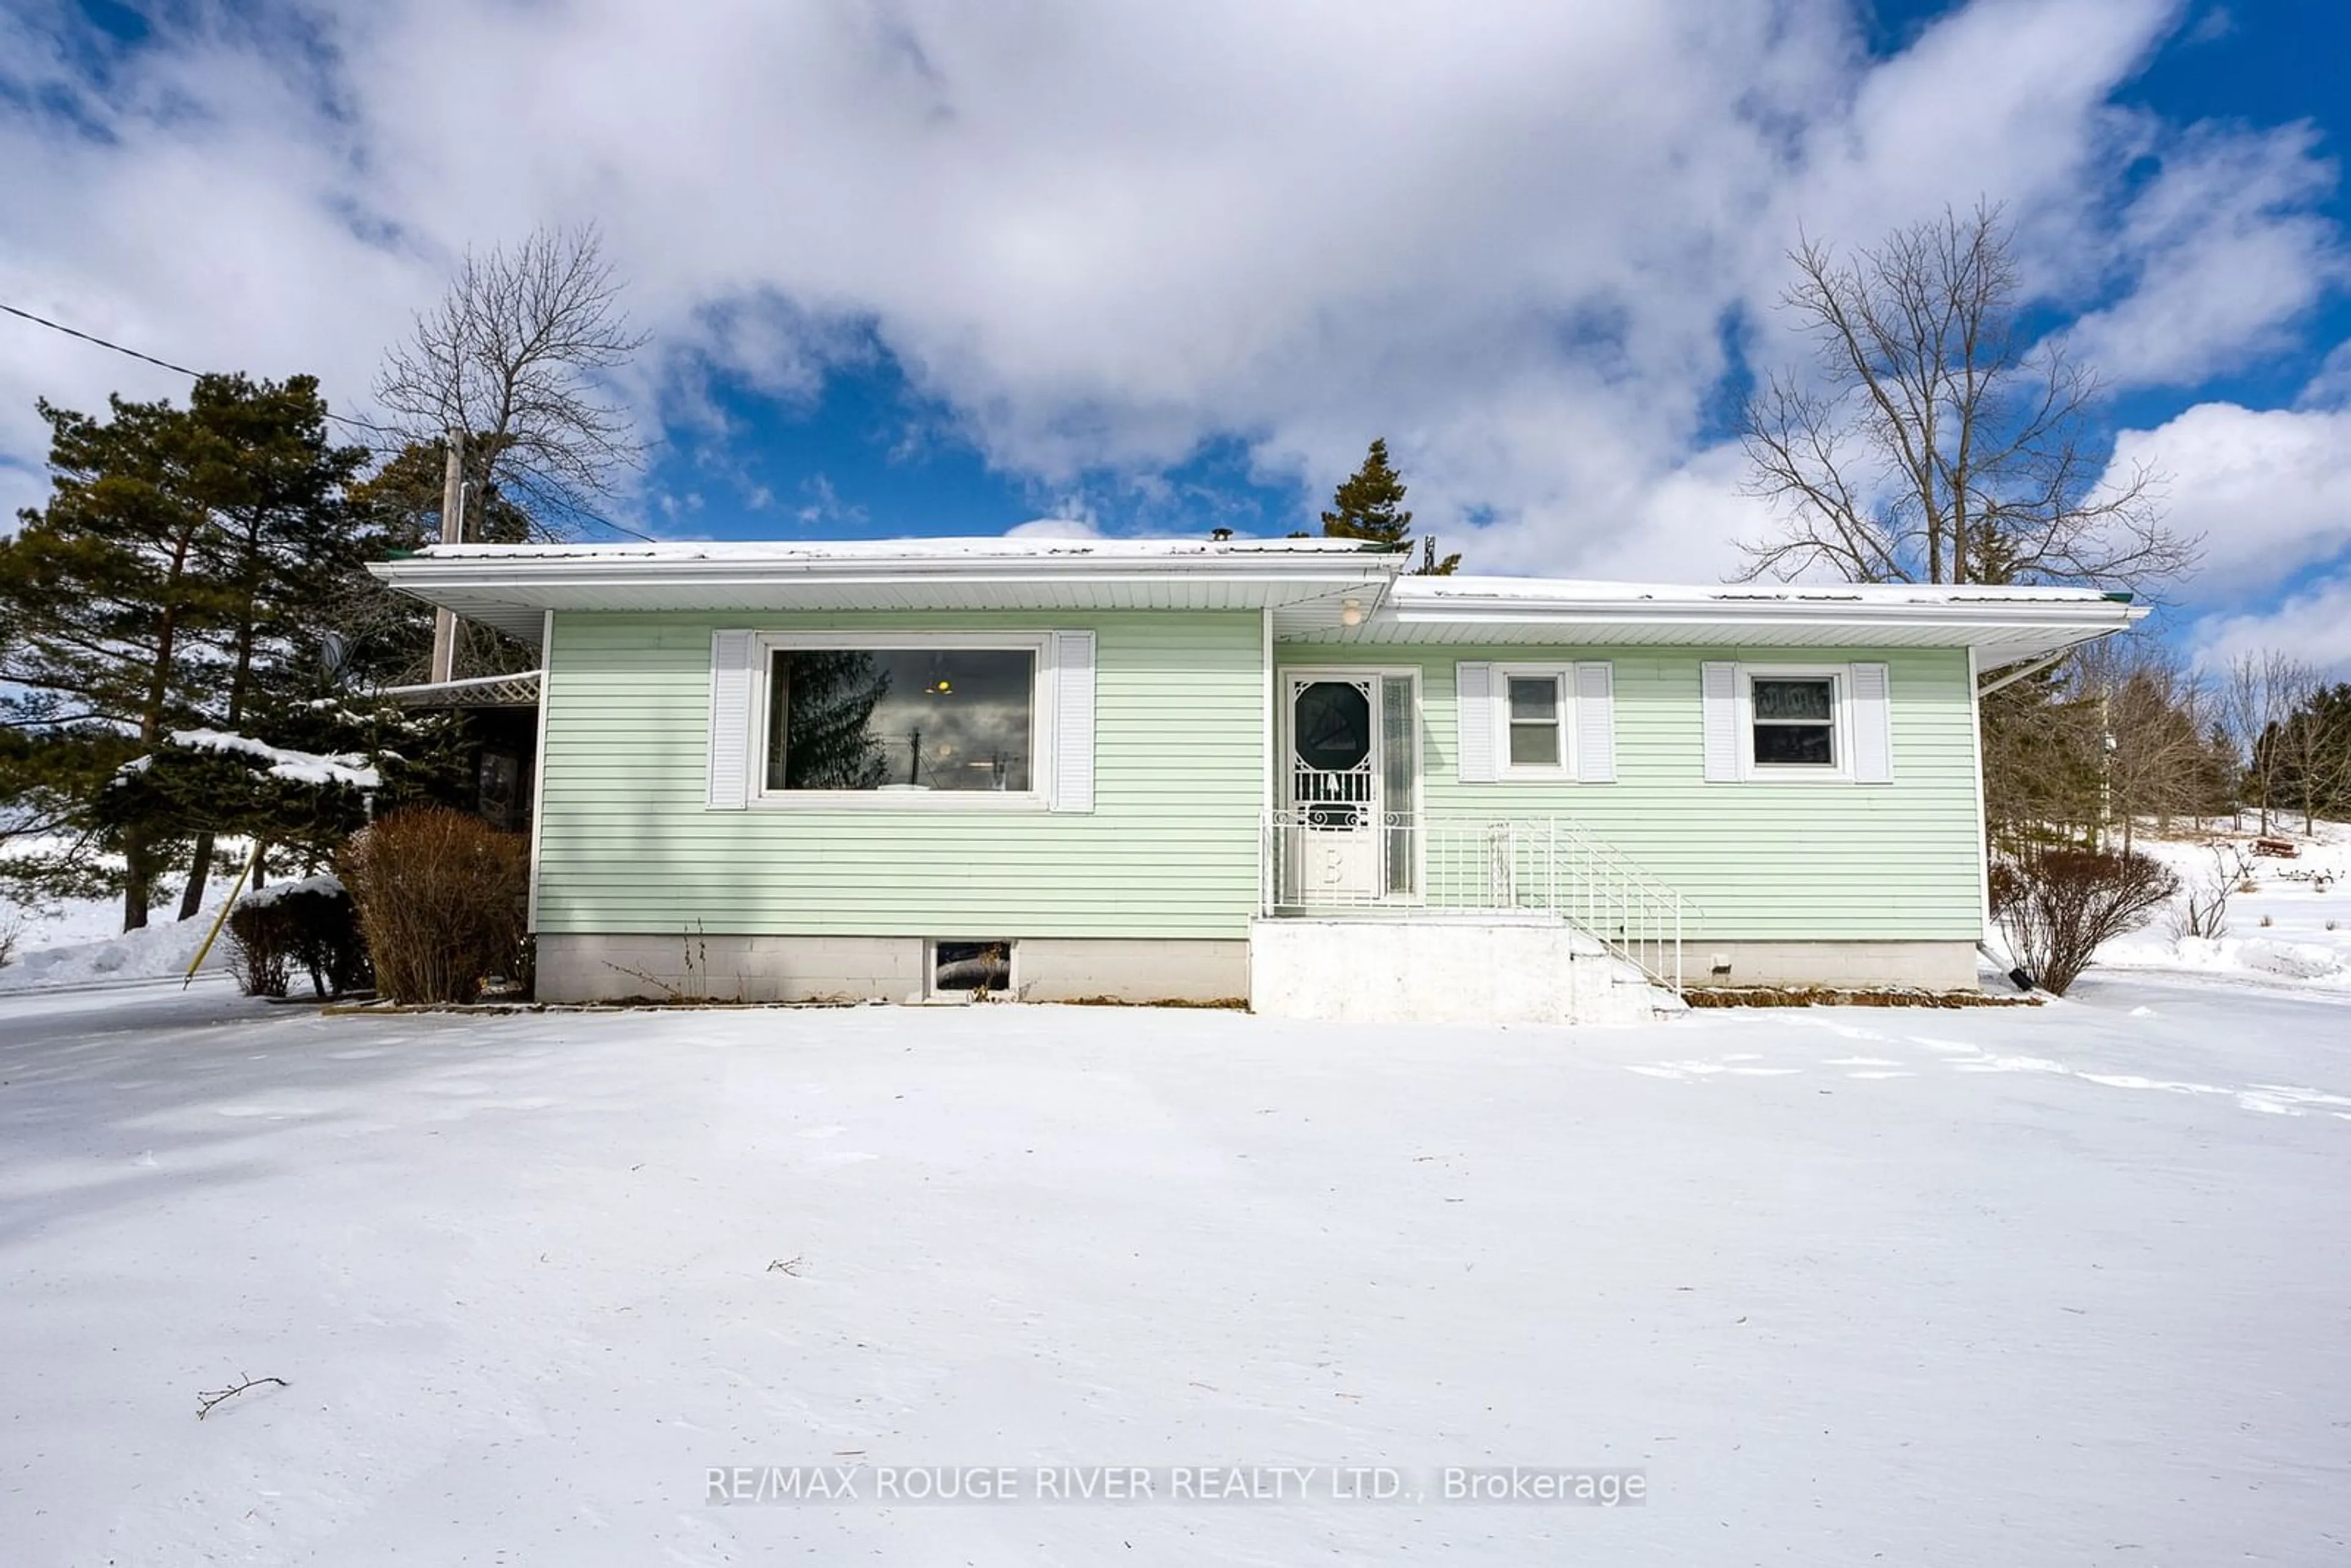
(765, 645)
(1562, 678)
(1839, 677)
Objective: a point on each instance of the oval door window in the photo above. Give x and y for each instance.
(1333, 725)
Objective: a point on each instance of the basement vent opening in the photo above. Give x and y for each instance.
(968, 969)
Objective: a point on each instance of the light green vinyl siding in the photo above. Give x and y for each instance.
(627, 843)
(1761, 861)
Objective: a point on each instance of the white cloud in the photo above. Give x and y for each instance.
(2224, 255)
(2270, 490)
(2308, 626)
(2331, 387)
(1508, 240)
(1053, 528)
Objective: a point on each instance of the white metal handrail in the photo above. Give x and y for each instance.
(1332, 856)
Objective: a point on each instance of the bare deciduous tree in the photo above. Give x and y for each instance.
(1935, 440)
(2160, 761)
(2119, 733)
(2261, 693)
(512, 357)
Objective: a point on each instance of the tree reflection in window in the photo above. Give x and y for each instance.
(923, 718)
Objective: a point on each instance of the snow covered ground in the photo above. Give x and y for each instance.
(76, 941)
(2024, 1286)
(2293, 928)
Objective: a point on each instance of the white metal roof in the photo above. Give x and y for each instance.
(510, 586)
(1314, 589)
(2004, 624)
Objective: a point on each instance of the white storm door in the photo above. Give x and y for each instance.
(1332, 832)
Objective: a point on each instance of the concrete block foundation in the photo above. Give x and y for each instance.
(668, 967)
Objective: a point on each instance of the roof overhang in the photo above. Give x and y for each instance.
(512, 587)
(1323, 591)
(2004, 625)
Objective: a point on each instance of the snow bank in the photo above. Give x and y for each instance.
(162, 949)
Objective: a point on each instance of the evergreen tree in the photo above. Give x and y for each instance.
(103, 597)
(169, 584)
(305, 791)
(272, 485)
(1369, 505)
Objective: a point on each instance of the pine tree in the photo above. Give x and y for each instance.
(272, 485)
(1369, 505)
(102, 596)
(168, 584)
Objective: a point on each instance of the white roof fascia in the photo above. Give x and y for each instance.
(1969, 615)
(476, 566)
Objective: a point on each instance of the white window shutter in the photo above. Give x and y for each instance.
(1719, 697)
(1872, 726)
(1595, 723)
(1073, 721)
(1473, 724)
(730, 720)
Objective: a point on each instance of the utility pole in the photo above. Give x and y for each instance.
(453, 532)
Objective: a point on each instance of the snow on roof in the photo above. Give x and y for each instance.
(1321, 589)
(897, 551)
(1532, 591)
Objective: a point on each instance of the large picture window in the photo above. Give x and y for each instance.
(955, 720)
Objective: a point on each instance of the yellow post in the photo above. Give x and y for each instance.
(222, 918)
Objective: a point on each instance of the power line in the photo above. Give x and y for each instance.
(166, 364)
(338, 418)
(92, 338)
(617, 527)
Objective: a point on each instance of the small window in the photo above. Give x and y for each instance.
(914, 719)
(1535, 711)
(970, 968)
(1794, 721)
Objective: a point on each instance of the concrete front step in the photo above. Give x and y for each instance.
(1384, 970)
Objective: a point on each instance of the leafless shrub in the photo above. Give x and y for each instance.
(259, 950)
(441, 903)
(2060, 906)
(11, 931)
(2203, 908)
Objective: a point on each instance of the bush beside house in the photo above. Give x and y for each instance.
(441, 898)
(2058, 906)
(308, 926)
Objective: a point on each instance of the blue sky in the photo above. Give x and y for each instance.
(911, 267)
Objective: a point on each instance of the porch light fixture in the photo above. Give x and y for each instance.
(1350, 613)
